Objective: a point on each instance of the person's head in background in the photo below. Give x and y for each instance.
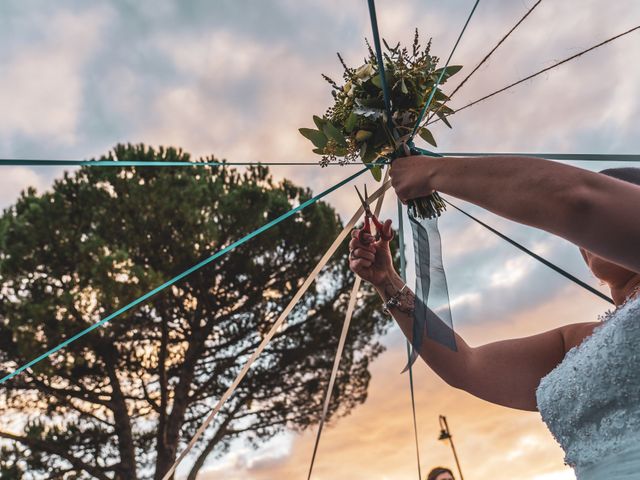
(440, 473)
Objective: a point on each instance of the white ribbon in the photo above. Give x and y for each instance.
(343, 336)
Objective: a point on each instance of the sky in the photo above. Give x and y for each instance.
(236, 79)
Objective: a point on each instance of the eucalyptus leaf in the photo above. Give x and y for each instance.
(370, 155)
(439, 96)
(351, 122)
(451, 71)
(341, 152)
(443, 117)
(376, 172)
(363, 150)
(363, 135)
(427, 136)
(318, 138)
(332, 132)
(319, 121)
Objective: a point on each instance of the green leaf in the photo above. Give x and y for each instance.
(427, 136)
(350, 122)
(443, 117)
(439, 96)
(371, 102)
(319, 139)
(451, 71)
(403, 87)
(370, 155)
(446, 110)
(363, 150)
(332, 132)
(319, 121)
(380, 135)
(341, 152)
(362, 135)
(319, 151)
(377, 79)
(376, 172)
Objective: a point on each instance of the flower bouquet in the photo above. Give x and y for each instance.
(357, 124)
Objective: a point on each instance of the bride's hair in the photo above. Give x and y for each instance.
(628, 174)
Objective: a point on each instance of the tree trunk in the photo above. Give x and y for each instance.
(127, 467)
(166, 453)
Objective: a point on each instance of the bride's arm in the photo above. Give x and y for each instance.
(594, 211)
(505, 372)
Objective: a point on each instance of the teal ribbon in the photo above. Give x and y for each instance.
(379, 59)
(177, 278)
(133, 163)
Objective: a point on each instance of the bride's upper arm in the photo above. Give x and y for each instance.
(574, 334)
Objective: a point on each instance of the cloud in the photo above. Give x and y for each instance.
(41, 87)
(15, 179)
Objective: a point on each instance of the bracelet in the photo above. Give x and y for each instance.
(393, 302)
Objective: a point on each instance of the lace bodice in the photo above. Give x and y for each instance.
(591, 401)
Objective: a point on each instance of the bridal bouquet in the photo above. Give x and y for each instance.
(356, 126)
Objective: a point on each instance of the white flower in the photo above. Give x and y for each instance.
(365, 72)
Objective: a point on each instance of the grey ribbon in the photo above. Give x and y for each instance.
(432, 312)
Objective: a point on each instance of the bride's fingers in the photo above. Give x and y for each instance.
(361, 253)
(355, 243)
(355, 233)
(359, 264)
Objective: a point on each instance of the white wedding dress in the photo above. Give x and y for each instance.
(591, 400)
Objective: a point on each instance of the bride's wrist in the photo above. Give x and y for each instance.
(390, 286)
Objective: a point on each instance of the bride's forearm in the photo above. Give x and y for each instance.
(449, 365)
(591, 210)
(532, 191)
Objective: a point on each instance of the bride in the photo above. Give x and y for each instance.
(583, 378)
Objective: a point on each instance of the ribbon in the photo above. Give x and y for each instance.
(432, 312)
(343, 337)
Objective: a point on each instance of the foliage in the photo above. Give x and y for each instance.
(121, 401)
(356, 125)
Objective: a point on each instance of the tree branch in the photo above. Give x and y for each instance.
(220, 433)
(52, 449)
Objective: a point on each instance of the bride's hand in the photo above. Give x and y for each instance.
(372, 261)
(411, 177)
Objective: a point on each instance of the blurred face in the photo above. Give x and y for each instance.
(445, 476)
(612, 274)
